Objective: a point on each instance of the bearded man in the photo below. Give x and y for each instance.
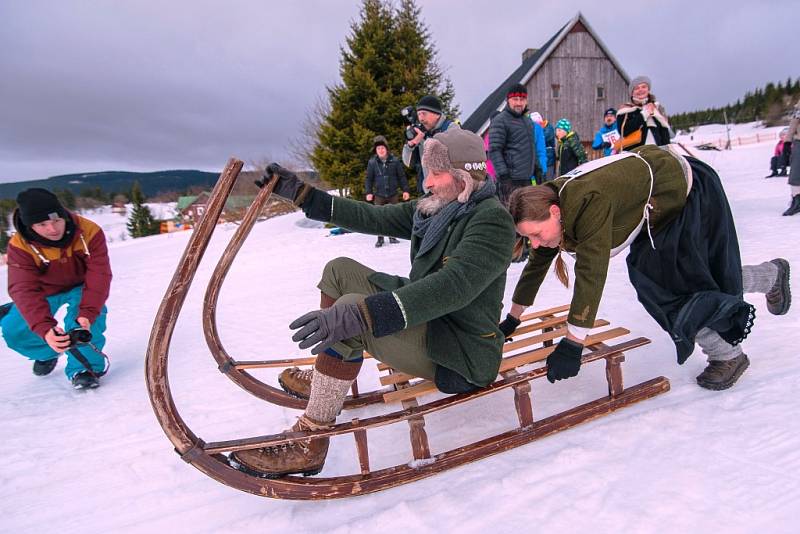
(440, 323)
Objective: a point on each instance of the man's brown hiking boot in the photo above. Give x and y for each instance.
(719, 375)
(779, 298)
(306, 457)
(296, 382)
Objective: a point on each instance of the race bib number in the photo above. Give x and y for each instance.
(611, 137)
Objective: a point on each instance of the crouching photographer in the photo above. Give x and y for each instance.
(429, 121)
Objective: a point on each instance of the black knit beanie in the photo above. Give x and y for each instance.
(430, 103)
(517, 90)
(37, 205)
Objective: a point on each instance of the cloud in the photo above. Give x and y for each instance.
(186, 84)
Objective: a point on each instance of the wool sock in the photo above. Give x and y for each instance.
(759, 278)
(329, 385)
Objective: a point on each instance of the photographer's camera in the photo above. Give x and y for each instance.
(409, 114)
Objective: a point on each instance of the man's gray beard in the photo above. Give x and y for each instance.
(433, 204)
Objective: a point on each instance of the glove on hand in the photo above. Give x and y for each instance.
(565, 361)
(326, 327)
(289, 186)
(508, 325)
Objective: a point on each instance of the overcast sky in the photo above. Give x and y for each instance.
(152, 85)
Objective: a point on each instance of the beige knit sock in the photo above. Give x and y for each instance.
(329, 385)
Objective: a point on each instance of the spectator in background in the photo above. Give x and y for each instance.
(643, 120)
(570, 150)
(56, 258)
(512, 147)
(541, 154)
(490, 172)
(385, 174)
(793, 137)
(607, 135)
(778, 159)
(549, 144)
(433, 120)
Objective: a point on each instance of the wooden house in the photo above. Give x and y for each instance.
(191, 209)
(573, 75)
(118, 207)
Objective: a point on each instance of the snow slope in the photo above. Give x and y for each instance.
(691, 460)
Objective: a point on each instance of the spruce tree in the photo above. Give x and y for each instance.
(388, 63)
(141, 222)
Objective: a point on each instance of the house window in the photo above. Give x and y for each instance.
(600, 92)
(556, 90)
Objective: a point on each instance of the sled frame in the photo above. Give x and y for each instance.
(211, 460)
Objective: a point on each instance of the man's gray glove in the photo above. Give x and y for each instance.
(289, 186)
(326, 327)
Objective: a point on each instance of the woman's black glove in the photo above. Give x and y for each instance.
(565, 361)
(325, 327)
(508, 325)
(289, 186)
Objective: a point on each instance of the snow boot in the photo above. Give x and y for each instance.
(379, 242)
(296, 382)
(85, 380)
(393, 241)
(305, 457)
(771, 175)
(794, 207)
(331, 380)
(719, 375)
(44, 367)
(779, 298)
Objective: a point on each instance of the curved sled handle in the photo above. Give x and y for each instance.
(164, 324)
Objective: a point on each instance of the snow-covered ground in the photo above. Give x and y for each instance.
(115, 224)
(691, 460)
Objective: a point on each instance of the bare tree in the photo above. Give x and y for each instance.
(303, 145)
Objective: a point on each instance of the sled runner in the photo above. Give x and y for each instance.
(521, 364)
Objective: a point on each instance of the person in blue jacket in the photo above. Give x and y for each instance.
(607, 134)
(549, 144)
(541, 154)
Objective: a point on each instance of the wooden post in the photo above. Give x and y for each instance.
(354, 387)
(614, 374)
(361, 448)
(419, 438)
(522, 400)
(548, 342)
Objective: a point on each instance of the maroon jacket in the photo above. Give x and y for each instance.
(36, 271)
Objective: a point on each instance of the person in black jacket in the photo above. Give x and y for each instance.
(512, 148)
(511, 144)
(385, 174)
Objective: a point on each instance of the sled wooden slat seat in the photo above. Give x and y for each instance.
(546, 325)
(424, 387)
(210, 457)
(517, 360)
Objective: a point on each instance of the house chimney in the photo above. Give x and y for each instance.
(528, 53)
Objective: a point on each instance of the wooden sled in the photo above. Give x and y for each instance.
(533, 342)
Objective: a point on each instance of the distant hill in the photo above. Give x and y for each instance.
(152, 183)
(772, 104)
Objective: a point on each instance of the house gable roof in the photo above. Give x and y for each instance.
(478, 122)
